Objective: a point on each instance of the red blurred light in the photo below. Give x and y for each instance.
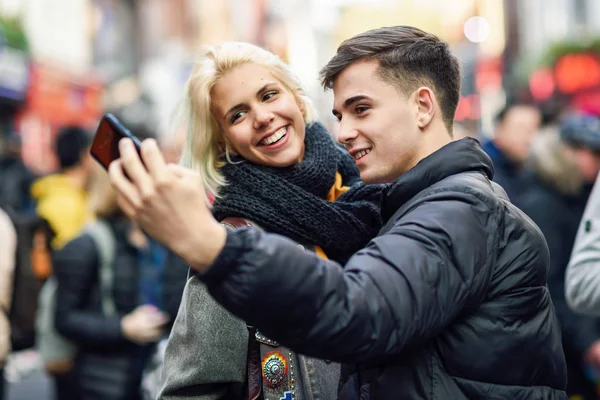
(541, 84)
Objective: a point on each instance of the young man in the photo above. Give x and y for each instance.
(448, 302)
(516, 126)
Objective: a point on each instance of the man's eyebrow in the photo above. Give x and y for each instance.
(258, 93)
(354, 99)
(351, 100)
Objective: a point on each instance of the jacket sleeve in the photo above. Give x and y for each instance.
(579, 331)
(582, 283)
(76, 268)
(399, 291)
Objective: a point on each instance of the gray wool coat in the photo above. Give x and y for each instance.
(206, 355)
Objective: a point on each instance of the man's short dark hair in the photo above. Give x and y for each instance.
(408, 58)
(71, 142)
(500, 116)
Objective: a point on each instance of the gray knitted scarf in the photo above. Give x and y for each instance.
(291, 201)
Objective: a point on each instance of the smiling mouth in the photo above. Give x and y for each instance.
(361, 154)
(277, 136)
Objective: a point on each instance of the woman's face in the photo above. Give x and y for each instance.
(261, 119)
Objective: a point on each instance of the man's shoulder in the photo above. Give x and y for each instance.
(471, 187)
(464, 190)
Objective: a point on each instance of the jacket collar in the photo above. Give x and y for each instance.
(465, 155)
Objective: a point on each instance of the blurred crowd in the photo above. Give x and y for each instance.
(59, 236)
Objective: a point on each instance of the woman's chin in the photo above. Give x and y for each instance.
(280, 160)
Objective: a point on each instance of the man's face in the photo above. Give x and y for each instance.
(518, 129)
(588, 163)
(378, 124)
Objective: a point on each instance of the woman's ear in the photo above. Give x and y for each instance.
(300, 104)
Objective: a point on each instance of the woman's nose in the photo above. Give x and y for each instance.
(262, 118)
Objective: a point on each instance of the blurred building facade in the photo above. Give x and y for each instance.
(88, 56)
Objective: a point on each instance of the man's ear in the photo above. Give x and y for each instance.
(426, 106)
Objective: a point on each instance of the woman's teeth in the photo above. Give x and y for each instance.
(361, 154)
(275, 137)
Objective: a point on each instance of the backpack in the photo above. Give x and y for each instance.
(55, 349)
(33, 250)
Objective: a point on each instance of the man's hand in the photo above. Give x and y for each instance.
(167, 201)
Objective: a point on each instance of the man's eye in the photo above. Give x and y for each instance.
(361, 109)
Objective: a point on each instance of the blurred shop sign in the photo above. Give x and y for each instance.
(14, 73)
(55, 98)
(14, 61)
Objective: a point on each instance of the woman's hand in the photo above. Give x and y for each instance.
(167, 201)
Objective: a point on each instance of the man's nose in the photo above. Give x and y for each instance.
(346, 134)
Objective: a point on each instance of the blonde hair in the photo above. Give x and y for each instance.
(205, 146)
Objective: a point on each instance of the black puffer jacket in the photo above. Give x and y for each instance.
(451, 303)
(108, 366)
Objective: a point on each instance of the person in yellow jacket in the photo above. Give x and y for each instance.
(62, 197)
(62, 200)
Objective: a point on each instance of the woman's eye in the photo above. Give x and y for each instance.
(269, 95)
(236, 116)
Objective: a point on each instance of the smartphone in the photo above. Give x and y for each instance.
(105, 147)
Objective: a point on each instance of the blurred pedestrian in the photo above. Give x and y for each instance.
(8, 247)
(62, 201)
(62, 197)
(15, 177)
(111, 348)
(565, 160)
(582, 277)
(516, 126)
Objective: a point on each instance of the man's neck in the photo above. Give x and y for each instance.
(432, 142)
(76, 175)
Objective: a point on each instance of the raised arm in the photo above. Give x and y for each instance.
(399, 291)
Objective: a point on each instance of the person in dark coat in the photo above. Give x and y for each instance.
(565, 161)
(113, 349)
(516, 126)
(449, 301)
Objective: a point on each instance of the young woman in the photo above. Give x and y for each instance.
(267, 163)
